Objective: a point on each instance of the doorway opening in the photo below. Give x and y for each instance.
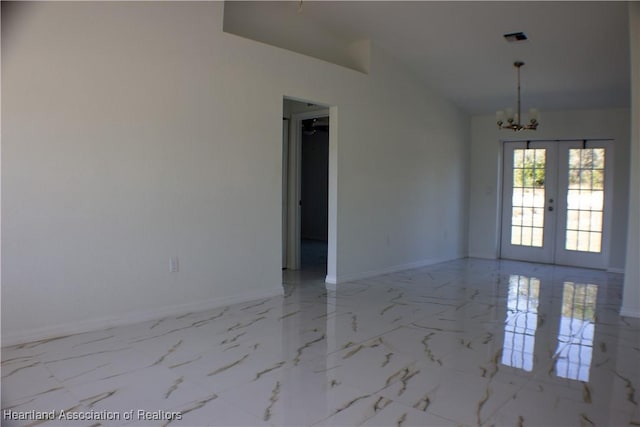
(314, 191)
(308, 243)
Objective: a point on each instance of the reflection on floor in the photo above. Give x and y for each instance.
(313, 255)
(469, 342)
(313, 264)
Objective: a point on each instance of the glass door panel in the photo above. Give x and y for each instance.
(527, 206)
(583, 213)
(530, 171)
(585, 199)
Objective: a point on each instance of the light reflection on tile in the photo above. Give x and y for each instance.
(522, 322)
(577, 328)
(467, 342)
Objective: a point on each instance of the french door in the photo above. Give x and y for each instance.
(556, 202)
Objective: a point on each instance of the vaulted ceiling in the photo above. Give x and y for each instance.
(576, 55)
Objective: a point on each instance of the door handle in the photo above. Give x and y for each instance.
(550, 208)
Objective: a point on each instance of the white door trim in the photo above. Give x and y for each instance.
(285, 187)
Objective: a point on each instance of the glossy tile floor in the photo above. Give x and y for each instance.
(468, 342)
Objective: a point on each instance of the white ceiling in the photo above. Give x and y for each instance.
(577, 55)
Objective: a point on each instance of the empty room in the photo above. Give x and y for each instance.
(320, 213)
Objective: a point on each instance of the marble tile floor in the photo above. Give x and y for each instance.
(464, 343)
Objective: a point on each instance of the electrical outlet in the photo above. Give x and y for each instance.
(173, 264)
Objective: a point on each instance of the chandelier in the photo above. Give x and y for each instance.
(513, 120)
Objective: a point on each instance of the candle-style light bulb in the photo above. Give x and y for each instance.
(509, 114)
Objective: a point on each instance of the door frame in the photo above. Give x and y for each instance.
(596, 261)
(286, 125)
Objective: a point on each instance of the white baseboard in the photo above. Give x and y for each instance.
(482, 255)
(21, 337)
(615, 270)
(629, 312)
(350, 277)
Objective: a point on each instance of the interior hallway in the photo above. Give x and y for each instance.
(468, 342)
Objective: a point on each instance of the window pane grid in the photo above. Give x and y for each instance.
(585, 199)
(528, 196)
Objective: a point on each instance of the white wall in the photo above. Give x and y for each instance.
(631, 295)
(291, 26)
(402, 178)
(133, 132)
(484, 188)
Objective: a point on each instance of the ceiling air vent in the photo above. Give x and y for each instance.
(515, 37)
